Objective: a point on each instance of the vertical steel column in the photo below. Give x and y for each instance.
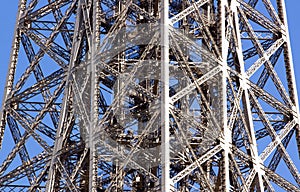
(94, 105)
(165, 151)
(246, 102)
(290, 66)
(12, 67)
(225, 185)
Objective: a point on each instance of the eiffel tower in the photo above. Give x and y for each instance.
(150, 95)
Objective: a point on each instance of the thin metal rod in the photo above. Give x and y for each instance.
(165, 150)
(94, 106)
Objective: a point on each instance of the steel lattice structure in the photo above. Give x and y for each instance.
(136, 95)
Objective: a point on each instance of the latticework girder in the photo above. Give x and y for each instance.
(136, 95)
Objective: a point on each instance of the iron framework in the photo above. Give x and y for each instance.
(136, 95)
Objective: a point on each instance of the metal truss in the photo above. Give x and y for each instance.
(136, 95)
